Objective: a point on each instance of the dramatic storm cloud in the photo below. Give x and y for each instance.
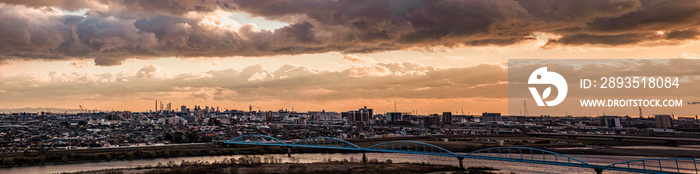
(115, 30)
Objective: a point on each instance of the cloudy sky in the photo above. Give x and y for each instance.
(429, 56)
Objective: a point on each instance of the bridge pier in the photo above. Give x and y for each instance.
(289, 152)
(598, 170)
(461, 165)
(364, 157)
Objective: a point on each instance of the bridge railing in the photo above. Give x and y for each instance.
(526, 154)
(515, 154)
(660, 165)
(413, 147)
(326, 142)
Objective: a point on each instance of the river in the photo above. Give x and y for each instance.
(503, 166)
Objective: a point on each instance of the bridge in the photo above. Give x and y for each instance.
(512, 154)
(673, 141)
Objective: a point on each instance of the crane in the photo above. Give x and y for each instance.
(82, 109)
(250, 108)
(694, 103)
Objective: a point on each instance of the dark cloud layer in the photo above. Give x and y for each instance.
(114, 30)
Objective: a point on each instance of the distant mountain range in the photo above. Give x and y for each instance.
(35, 110)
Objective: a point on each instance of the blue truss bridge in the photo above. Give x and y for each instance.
(512, 154)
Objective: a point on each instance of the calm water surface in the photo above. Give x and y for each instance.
(504, 167)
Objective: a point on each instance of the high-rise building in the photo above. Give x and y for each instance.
(447, 117)
(361, 115)
(663, 121)
(432, 120)
(268, 116)
(610, 121)
(183, 108)
(351, 116)
(365, 114)
(358, 116)
(491, 117)
(199, 113)
(393, 116)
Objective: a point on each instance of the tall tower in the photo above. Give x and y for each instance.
(156, 110)
(525, 109)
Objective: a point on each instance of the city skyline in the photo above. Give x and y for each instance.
(118, 55)
(349, 86)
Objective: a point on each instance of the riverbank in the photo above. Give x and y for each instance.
(137, 153)
(503, 166)
(458, 144)
(256, 165)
